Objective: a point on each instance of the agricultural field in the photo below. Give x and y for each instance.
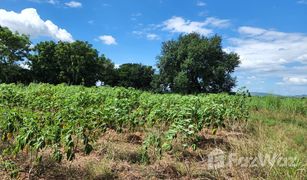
(75, 132)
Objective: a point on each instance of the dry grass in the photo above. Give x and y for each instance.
(118, 155)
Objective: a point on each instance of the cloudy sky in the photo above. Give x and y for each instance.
(269, 35)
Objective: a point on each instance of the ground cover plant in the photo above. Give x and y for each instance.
(76, 132)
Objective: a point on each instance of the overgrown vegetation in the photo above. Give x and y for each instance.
(287, 105)
(77, 132)
(37, 117)
(192, 64)
(113, 132)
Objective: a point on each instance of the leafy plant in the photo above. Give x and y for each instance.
(63, 118)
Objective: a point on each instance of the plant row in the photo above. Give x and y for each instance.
(41, 116)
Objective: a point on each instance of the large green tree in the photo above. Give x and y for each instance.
(196, 64)
(43, 64)
(135, 75)
(72, 63)
(107, 71)
(14, 48)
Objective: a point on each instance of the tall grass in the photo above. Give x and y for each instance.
(278, 125)
(279, 104)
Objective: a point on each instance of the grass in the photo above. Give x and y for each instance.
(286, 105)
(276, 126)
(278, 133)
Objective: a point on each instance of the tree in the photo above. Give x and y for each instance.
(135, 75)
(14, 48)
(157, 85)
(107, 71)
(196, 64)
(73, 63)
(77, 62)
(43, 64)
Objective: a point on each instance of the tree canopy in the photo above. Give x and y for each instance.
(190, 64)
(73, 63)
(14, 48)
(135, 75)
(196, 64)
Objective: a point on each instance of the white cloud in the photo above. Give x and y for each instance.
(200, 3)
(268, 50)
(136, 14)
(139, 33)
(74, 4)
(251, 77)
(277, 58)
(29, 22)
(215, 22)
(53, 2)
(303, 58)
(302, 2)
(294, 81)
(180, 25)
(152, 36)
(108, 40)
(147, 35)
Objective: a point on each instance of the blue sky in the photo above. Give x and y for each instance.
(269, 35)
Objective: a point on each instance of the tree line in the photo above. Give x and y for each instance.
(191, 64)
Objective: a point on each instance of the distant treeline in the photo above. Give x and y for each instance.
(191, 64)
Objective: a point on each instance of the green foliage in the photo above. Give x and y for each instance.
(153, 140)
(196, 64)
(275, 103)
(73, 63)
(40, 116)
(14, 48)
(190, 65)
(135, 75)
(10, 167)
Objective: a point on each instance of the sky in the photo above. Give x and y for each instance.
(270, 36)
